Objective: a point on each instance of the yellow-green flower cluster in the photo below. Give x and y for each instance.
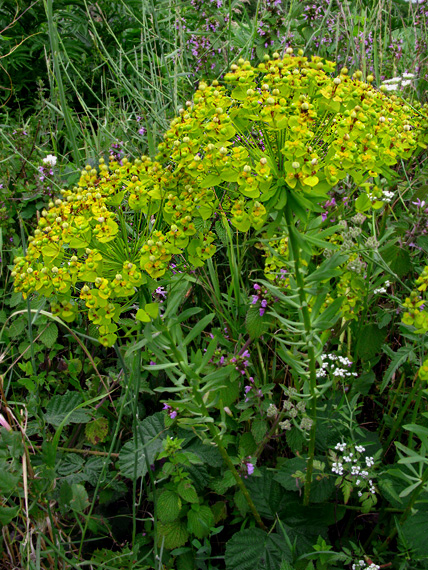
(284, 132)
(416, 314)
(416, 306)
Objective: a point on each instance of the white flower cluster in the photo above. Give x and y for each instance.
(395, 82)
(332, 363)
(352, 464)
(50, 159)
(361, 565)
(387, 196)
(382, 289)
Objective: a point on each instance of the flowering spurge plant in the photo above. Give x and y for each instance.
(276, 137)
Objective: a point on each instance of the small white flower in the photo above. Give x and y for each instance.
(392, 80)
(50, 159)
(406, 82)
(360, 448)
(392, 87)
(408, 75)
(369, 461)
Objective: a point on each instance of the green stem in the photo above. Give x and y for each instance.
(391, 407)
(398, 423)
(295, 257)
(194, 382)
(29, 320)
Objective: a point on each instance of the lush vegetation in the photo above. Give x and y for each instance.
(214, 229)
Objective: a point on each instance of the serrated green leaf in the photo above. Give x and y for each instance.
(132, 457)
(16, 328)
(60, 407)
(70, 464)
(285, 474)
(370, 341)
(221, 485)
(172, 534)
(253, 548)
(259, 429)
(247, 444)
(168, 506)
(415, 532)
(200, 521)
(187, 492)
(255, 324)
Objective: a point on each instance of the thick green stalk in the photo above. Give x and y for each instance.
(194, 382)
(295, 258)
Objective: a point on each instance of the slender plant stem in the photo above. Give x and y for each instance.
(53, 39)
(295, 258)
(194, 381)
(399, 422)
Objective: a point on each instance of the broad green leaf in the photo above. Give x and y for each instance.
(259, 429)
(255, 324)
(200, 519)
(370, 341)
(415, 533)
(80, 500)
(132, 457)
(252, 548)
(143, 316)
(152, 309)
(172, 534)
(168, 506)
(7, 514)
(60, 407)
(187, 492)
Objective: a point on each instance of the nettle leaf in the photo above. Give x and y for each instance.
(200, 520)
(224, 483)
(397, 259)
(49, 335)
(255, 324)
(70, 464)
(16, 328)
(370, 341)
(253, 548)
(60, 407)
(415, 533)
(247, 444)
(132, 457)
(187, 492)
(207, 453)
(268, 495)
(168, 506)
(172, 534)
(285, 475)
(259, 429)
